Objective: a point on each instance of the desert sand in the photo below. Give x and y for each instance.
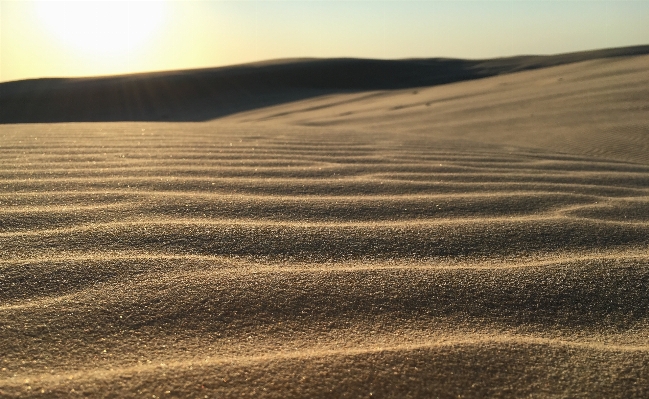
(482, 238)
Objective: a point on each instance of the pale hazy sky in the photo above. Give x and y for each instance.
(81, 38)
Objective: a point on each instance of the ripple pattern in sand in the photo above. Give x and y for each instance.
(208, 259)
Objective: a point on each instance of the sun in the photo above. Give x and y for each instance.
(102, 28)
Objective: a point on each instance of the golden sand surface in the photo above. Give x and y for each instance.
(487, 238)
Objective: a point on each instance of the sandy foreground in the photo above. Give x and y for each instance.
(479, 239)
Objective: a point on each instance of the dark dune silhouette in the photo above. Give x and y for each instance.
(204, 94)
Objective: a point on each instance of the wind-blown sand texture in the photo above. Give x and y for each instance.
(486, 238)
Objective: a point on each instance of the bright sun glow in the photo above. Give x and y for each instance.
(102, 28)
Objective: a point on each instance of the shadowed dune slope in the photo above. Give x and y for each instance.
(200, 95)
(355, 245)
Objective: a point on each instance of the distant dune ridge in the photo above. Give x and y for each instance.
(204, 94)
(483, 238)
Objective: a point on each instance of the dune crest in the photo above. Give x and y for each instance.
(206, 94)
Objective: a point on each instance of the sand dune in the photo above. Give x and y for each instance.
(478, 239)
(205, 94)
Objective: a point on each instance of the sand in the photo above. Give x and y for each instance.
(486, 238)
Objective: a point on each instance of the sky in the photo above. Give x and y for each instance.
(88, 38)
